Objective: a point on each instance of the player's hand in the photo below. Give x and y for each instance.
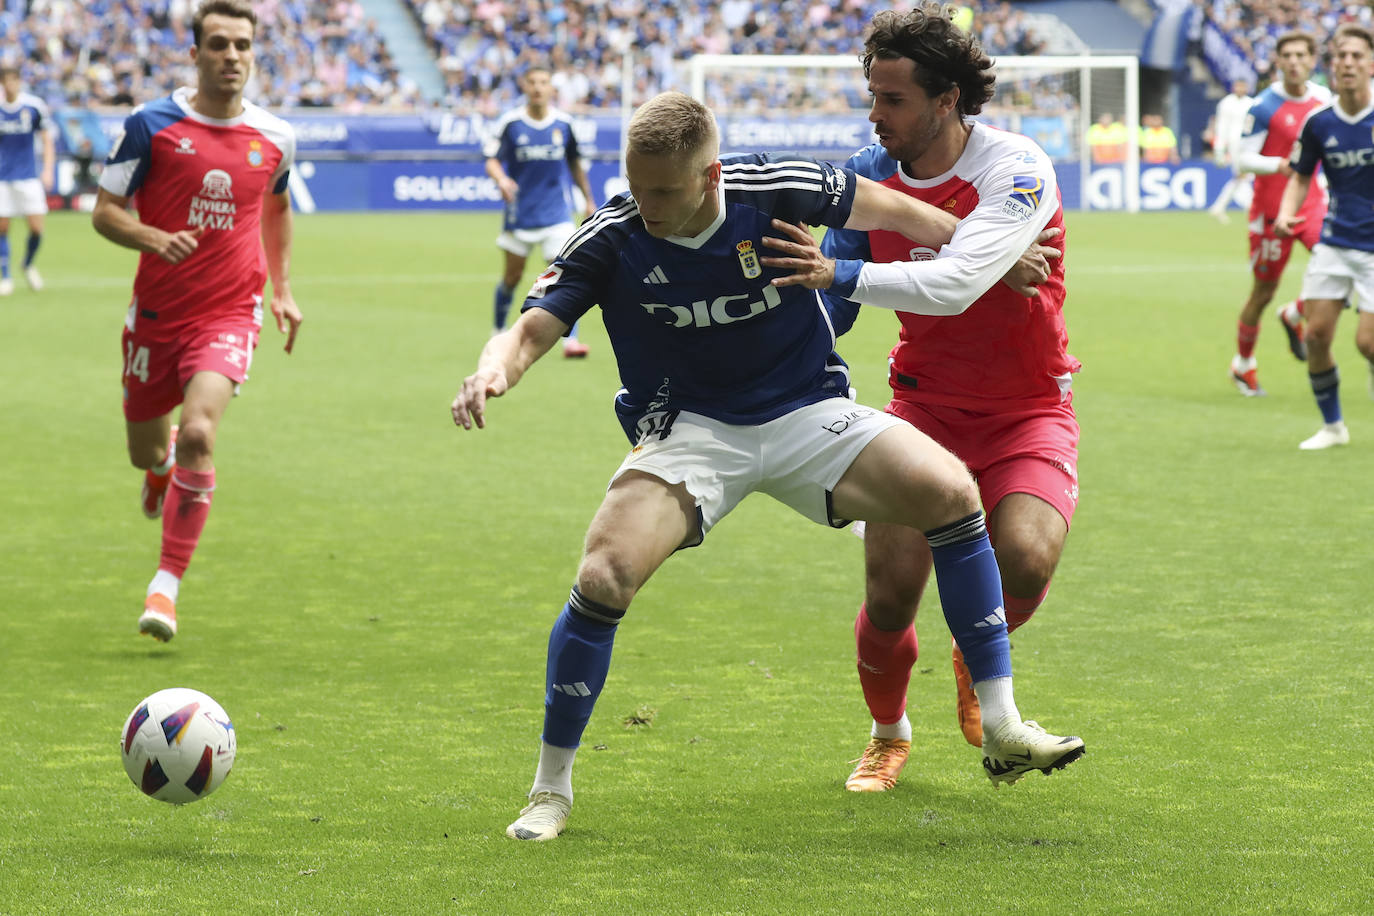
(1286, 227)
(1033, 268)
(175, 247)
(470, 403)
(508, 189)
(810, 268)
(288, 316)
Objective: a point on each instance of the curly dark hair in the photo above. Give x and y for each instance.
(945, 55)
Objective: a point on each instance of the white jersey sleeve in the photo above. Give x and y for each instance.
(1018, 195)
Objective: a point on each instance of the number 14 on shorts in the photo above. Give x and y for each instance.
(135, 362)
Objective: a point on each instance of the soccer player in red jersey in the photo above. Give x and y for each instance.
(990, 381)
(1271, 129)
(207, 172)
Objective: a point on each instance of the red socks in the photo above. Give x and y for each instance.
(1246, 335)
(183, 517)
(885, 659)
(1019, 610)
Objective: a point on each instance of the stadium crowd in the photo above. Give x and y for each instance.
(118, 53)
(480, 43)
(327, 53)
(1254, 25)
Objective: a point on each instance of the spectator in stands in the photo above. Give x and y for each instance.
(1107, 140)
(1158, 145)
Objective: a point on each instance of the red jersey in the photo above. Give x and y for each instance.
(186, 170)
(1271, 130)
(1005, 351)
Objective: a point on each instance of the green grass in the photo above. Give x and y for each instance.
(372, 597)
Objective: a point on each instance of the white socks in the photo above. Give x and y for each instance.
(997, 703)
(555, 770)
(897, 731)
(166, 584)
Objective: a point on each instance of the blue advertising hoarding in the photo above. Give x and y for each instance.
(434, 161)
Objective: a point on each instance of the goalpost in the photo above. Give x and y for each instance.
(818, 104)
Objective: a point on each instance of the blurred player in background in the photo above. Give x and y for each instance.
(23, 188)
(1271, 129)
(214, 221)
(992, 385)
(1227, 125)
(1341, 138)
(533, 157)
(732, 366)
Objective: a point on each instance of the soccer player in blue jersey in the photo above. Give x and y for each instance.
(730, 360)
(23, 189)
(1340, 137)
(533, 157)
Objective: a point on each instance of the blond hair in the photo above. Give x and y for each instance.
(674, 124)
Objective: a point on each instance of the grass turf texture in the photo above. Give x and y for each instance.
(372, 598)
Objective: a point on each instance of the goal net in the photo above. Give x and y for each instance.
(818, 105)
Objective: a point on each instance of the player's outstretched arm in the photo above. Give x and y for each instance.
(1294, 193)
(112, 219)
(503, 361)
(278, 228)
(877, 207)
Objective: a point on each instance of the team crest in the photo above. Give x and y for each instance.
(556, 137)
(951, 204)
(255, 159)
(749, 260)
(1024, 199)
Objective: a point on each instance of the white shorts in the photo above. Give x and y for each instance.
(1334, 273)
(22, 198)
(797, 459)
(522, 241)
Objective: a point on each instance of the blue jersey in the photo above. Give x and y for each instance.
(1344, 145)
(20, 122)
(694, 322)
(536, 155)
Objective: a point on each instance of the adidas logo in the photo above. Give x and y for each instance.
(1331, 141)
(573, 690)
(998, 616)
(656, 276)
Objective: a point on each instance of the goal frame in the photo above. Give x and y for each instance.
(1084, 64)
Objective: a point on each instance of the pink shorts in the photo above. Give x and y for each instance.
(156, 372)
(1031, 451)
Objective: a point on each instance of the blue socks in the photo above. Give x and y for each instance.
(971, 594)
(502, 305)
(579, 660)
(1326, 388)
(4, 255)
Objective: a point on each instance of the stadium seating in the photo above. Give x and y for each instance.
(121, 52)
(1252, 26)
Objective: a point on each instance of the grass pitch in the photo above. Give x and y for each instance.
(373, 593)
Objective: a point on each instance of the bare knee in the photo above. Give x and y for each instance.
(1364, 342)
(608, 579)
(145, 455)
(195, 441)
(1026, 567)
(893, 598)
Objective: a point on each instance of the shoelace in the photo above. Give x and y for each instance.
(875, 755)
(545, 809)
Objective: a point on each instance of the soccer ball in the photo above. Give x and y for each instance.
(178, 745)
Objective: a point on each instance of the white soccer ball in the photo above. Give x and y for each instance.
(178, 745)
